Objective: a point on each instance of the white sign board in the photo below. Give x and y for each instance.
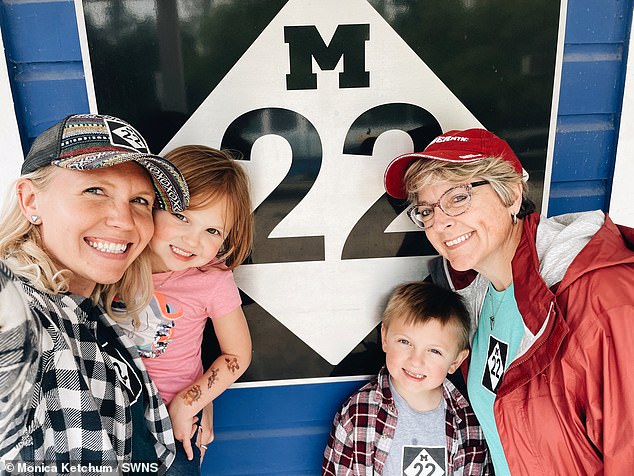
(330, 303)
(317, 98)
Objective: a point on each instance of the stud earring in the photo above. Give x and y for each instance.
(514, 218)
(35, 219)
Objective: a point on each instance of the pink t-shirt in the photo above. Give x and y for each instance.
(172, 327)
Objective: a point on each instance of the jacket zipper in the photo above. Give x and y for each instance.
(527, 356)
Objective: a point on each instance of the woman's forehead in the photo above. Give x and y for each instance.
(444, 174)
(439, 187)
(123, 173)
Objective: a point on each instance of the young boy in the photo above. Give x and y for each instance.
(410, 419)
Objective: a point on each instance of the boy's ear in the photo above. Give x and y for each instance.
(459, 360)
(383, 333)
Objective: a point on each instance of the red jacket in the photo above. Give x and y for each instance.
(566, 406)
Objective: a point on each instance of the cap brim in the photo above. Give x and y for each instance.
(393, 179)
(172, 193)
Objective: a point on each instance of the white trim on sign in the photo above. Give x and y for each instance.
(550, 150)
(302, 381)
(621, 209)
(85, 56)
(12, 156)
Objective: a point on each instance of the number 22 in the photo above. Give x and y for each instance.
(366, 239)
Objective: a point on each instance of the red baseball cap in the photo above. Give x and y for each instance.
(457, 146)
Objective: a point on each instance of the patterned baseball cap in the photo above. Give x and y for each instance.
(456, 146)
(95, 141)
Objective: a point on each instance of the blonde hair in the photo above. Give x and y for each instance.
(212, 174)
(498, 172)
(22, 249)
(420, 302)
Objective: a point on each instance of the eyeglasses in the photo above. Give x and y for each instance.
(453, 202)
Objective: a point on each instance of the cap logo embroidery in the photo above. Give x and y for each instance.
(449, 139)
(127, 136)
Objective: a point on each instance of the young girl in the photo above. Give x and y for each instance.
(193, 254)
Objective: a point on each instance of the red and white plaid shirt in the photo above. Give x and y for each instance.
(363, 430)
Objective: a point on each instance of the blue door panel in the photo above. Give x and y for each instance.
(582, 147)
(274, 430)
(594, 80)
(568, 197)
(36, 83)
(591, 21)
(47, 31)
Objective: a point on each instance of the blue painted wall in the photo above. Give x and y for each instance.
(274, 430)
(595, 56)
(44, 63)
(282, 429)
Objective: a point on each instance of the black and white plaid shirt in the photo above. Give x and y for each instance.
(62, 397)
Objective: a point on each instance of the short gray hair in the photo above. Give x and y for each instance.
(498, 172)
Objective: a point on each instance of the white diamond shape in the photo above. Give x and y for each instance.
(423, 461)
(332, 304)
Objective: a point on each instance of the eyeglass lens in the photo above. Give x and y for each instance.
(453, 202)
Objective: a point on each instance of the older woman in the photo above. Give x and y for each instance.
(550, 376)
(70, 391)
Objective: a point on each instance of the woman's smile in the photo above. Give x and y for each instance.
(458, 240)
(108, 246)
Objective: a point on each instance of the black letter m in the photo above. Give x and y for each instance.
(348, 41)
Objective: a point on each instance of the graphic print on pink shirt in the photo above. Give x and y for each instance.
(158, 329)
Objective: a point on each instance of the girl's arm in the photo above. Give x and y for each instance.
(233, 336)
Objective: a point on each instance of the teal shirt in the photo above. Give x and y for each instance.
(495, 345)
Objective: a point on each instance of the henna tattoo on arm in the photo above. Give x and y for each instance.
(232, 364)
(192, 395)
(212, 378)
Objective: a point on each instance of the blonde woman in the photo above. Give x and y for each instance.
(71, 239)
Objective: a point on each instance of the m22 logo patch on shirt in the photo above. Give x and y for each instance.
(497, 355)
(424, 461)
